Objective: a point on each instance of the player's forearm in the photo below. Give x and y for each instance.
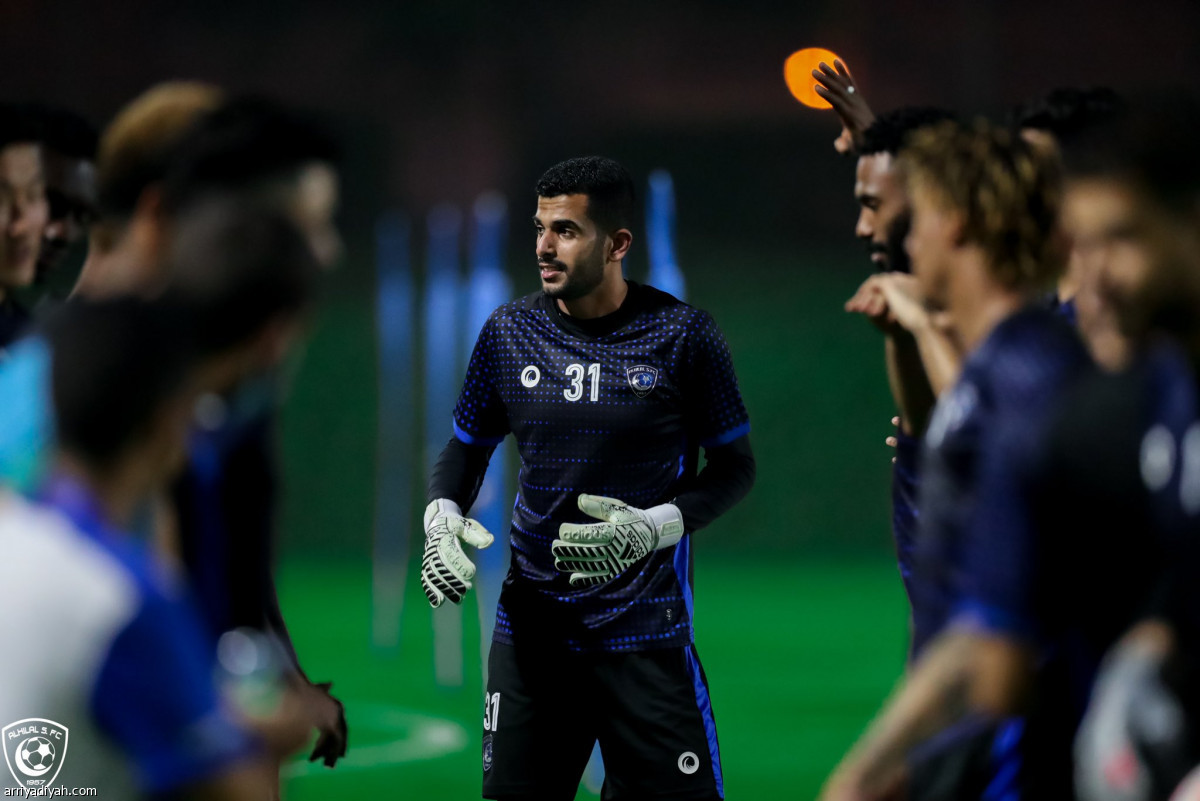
(459, 472)
(933, 696)
(910, 386)
(726, 479)
(277, 626)
(940, 357)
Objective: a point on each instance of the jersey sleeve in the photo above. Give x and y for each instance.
(156, 698)
(716, 412)
(479, 415)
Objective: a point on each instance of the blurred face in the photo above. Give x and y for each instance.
(71, 194)
(1113, 245)
(931, 244)
(883, 209)
(23, 214)
(570, 248)
(313, 207)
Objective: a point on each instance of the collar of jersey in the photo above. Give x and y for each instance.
(598, 326)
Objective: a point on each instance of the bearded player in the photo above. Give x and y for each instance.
(610, 389)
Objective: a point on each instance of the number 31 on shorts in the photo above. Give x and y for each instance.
(491, 711)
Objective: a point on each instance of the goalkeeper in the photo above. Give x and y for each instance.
(610, 389)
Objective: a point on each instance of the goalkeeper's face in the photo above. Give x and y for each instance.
(570, 247)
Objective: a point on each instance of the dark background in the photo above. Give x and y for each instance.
(441, 101)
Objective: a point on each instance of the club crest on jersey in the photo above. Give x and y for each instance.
(34, 749)
(642, 379)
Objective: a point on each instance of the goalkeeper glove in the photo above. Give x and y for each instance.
(596, 552)
(446, 572)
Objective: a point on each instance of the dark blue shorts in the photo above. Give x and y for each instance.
(649, 710)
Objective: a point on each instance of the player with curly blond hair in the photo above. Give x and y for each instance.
(984, 206)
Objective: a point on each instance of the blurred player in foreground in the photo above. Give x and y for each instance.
(1054, 123)
(111, 649)
(69, 145)
(128, 239)
(610, 389)
(126, 245)
(254, 277)
(23, 213)
(249, 154)
(985, 207)
(1105, 518)
(919, 363)
(167, 155)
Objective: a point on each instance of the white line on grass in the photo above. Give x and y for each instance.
(420, 737)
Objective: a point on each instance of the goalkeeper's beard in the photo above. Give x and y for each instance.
(578, 281)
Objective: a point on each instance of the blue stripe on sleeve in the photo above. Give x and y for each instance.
(727, 437)
(483, 442)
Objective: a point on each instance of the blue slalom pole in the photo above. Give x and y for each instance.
(442, 376)
(660, 234)
(489, 287)
(397, 412)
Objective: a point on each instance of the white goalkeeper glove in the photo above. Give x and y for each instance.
(596, 552)
(446, 572)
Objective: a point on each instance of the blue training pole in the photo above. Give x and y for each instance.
(397, 413)
(442, 376)
(660, 234)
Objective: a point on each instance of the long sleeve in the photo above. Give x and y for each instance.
(459, 471)
(726, 478)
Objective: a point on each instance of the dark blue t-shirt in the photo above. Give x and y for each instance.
(617, 406)
(980, 432)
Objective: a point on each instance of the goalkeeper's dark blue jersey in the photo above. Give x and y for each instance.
(617, 406)
(982, 430)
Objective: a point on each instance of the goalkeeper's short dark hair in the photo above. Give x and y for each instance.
(891, 130)
(609, 189)
(115, 364)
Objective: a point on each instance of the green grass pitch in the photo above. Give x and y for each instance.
(798, 654)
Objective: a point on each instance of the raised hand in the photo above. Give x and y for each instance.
(836, 85)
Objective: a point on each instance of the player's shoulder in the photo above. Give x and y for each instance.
(78, 574)
(654, 302)
(519, 309)
(1041, 330)
(1032, 350)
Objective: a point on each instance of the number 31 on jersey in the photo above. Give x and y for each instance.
(576, 374)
